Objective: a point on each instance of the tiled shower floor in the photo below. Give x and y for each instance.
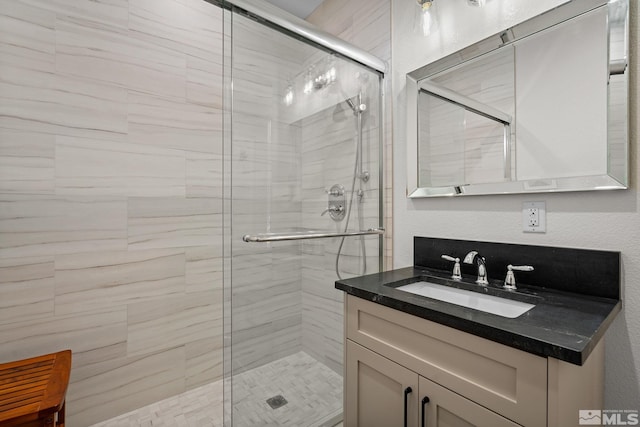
(313, 393)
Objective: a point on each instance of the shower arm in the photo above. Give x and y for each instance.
(304, 235)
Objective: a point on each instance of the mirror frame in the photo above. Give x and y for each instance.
(505, 38)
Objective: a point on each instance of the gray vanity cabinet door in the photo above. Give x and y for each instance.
(375, 390)
(448, 409)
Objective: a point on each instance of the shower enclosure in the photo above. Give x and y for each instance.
(302, 207)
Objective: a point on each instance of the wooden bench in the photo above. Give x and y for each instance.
(32, 391)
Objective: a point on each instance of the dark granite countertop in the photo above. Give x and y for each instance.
(562, 325)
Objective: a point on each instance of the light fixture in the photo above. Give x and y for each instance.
(426, 21)
(308, 81)
(288, 95)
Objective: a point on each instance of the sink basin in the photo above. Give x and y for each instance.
(487, 303)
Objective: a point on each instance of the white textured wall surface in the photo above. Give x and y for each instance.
(597, 220)
(110, 195)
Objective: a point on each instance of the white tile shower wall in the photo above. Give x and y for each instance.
(366, 24)
(110, 195)
(265, 168)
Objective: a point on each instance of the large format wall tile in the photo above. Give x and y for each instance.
(173, 222)
(87, 167)
(323, 329)
(118, 57)
(99, 390)
(179, 27)
(204, 175)
(203, 271)
(39, 225)
(26, 162)
(104, 13)
(110, 195)
(265, 342)
(81, 332)
(168, 123)
(204, 81)
(204, 361)
(28, 37)
(26, 288)
(129, 206)
(367, 25)
(93, 281)
(48, 103)
(173, 320)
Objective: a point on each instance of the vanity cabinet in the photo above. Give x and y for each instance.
(470, 381)
(379, 390)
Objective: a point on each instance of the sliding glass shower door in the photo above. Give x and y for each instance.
(302, 160)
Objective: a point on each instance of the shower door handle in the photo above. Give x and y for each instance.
(305, 235)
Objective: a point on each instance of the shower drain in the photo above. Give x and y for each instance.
(277, 401)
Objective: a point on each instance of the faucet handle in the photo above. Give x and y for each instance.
(510, 280)
(456, 267)
(338, 209)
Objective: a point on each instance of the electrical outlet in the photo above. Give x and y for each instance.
(534, 217)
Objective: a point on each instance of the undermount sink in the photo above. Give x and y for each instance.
(477, 301)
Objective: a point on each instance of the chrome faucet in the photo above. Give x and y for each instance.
(510, 280)
(475, 257)
(456, 267)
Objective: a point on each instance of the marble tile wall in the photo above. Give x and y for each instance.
(110, 195)
(265, 196)
(368, 26)
(328, 158)
(284, 157)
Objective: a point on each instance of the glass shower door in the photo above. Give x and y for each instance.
(303, 158)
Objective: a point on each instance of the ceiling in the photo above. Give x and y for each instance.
(300, 8)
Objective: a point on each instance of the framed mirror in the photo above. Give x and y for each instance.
(539, 107)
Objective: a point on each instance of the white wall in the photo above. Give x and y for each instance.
(598, 220)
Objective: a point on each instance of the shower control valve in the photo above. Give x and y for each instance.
(333, 209)
(336, 203)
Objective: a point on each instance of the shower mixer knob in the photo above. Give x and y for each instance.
(336, 202)
(335, 191)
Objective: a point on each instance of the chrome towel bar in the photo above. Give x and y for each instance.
(304, 235)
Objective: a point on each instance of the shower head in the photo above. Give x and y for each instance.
(360, 107)
(355, 104)
(351, 104)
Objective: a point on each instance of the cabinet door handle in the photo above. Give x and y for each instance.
(406, 401)
(425, 400)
